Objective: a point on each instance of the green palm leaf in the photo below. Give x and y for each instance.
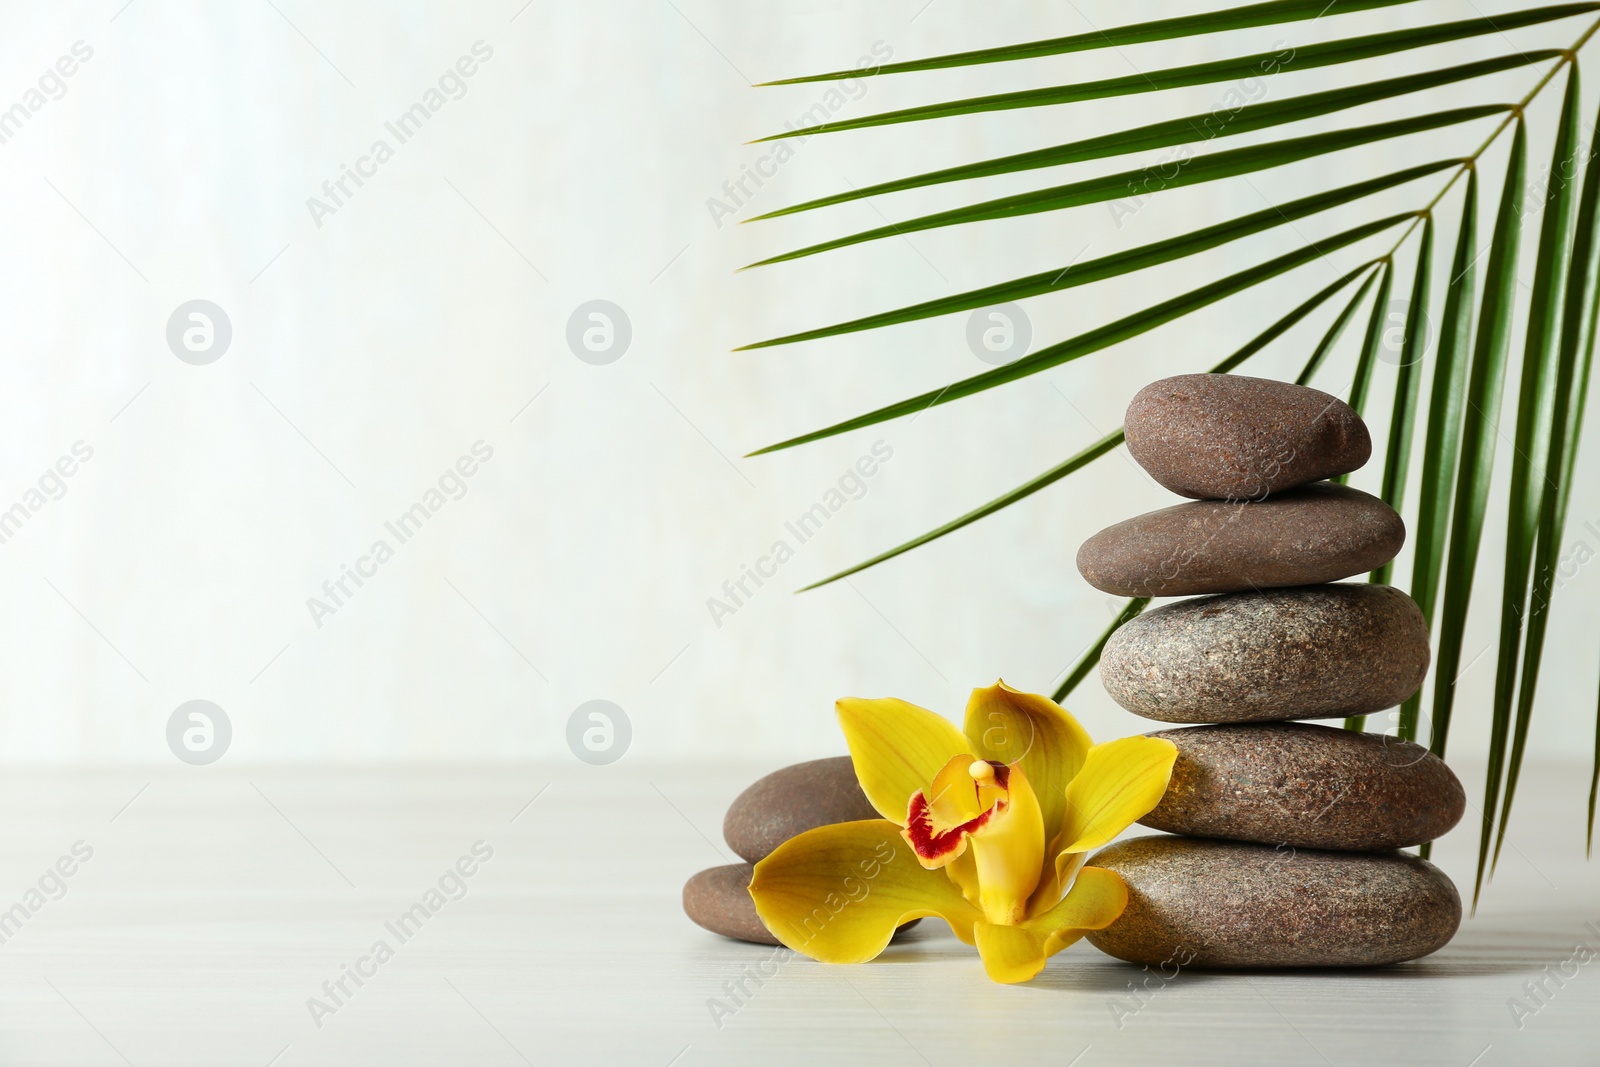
(1373, 340)
(1201, 169)
(1100, 447)
(1091, 656)
(1397, 457)
(1573, 360)
(1319, 355)
(1594, 783)
(1442, 443)
(1485, 385)
(1120, 263)
(1190, 130)
(1243, 67)
(1274, 13)
(1095, 340)
(1533, 437)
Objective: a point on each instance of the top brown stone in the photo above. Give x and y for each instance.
(790, 802)
(1230, 437)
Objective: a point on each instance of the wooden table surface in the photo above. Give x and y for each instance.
(205, 909)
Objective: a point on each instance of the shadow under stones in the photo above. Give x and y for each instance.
(1503, 945)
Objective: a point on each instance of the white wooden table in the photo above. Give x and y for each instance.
(218, 900)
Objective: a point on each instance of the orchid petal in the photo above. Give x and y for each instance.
(1009, 953)
(897, 748)
(1010, 726)
(1009, 850)
(1057, 876)
(1017, 953)
(837, 893)
(963, 871)
(1095, 901)
(1121, 781)
(954, 796)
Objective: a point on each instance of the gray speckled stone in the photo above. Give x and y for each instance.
(1196, 903)
(792, 801)
(1317, 533)
(718, 899)
(1307, 786)
(1316, 652)
(1230, 437)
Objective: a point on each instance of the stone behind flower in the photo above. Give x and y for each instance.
(1196, 903)
(718, 900)
(1231, 437)
(791, 801)
(1306, 786)
(782, 805)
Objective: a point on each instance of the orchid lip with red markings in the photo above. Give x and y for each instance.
(937, 847)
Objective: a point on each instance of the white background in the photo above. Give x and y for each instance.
(371, 351)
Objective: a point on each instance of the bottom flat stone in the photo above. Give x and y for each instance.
(1202, 903)
(719, 900)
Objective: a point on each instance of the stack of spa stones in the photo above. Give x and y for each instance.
(1287, 832)
(782, 805)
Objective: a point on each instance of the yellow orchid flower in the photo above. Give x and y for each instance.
(987, 829)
